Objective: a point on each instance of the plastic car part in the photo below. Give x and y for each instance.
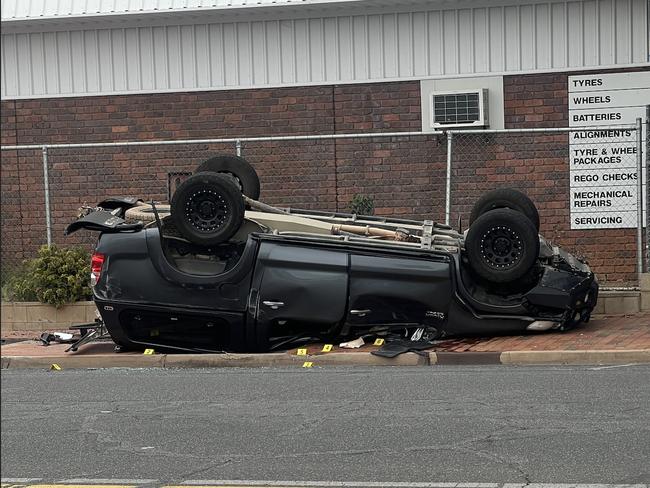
(123, 203)
(102, 221)
(239, 168)
(502, 245)
(505, 198)
(207, 208)
(396, 346)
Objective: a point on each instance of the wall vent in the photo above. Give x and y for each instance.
(459, 109)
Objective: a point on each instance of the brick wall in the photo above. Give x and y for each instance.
(10, 187)
(405, 176)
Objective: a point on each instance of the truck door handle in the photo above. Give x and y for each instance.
(360, 313)
(273, 305)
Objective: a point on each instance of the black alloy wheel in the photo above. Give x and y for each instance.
(502, 245)
(207, 208)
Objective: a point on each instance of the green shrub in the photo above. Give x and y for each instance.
(57, 276)
(362, 205)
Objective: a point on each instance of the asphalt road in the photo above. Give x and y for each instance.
(427, 424)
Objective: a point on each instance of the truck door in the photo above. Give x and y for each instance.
(300, 289)
(394, 289)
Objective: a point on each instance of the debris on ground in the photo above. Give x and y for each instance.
(60, 337)
(355, 344)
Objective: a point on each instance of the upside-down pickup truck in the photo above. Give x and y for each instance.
(218, 270)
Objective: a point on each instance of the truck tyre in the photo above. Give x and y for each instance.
(502, 245)
(505, 198)
(207, 208)
(239, 168)
(144, 213)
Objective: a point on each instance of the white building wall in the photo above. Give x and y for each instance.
(347, 48)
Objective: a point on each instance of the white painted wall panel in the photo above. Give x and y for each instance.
(528, 37)
(273, 53)
(133, 59)
(331, 48)
(302, 52)
(465, 41)
(640, 36)
(605, 34)
(375, 47)
(91, 50)
(575, 34)
(360, 52)
(244, 53)
(420, 44)
(451, 51)
(160, 57)
(543, 38)
(481, 44)
(388, 36)
(64, 57)
(38, 69)
(623, 33)
(147, 68)
(436, 43)
(345, 49)
(287, 52)
(496, 40)
(558, 33)
(591, 40)
(513, 40)
(405, 48)
(316, 54)
(516, 38)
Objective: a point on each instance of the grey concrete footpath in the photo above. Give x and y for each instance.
(595, 357)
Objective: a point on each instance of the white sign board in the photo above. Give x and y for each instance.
(603, 163)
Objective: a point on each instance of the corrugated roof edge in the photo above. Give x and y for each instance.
(8, 13)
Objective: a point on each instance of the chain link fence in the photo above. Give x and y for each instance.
(435, 176)
(401, 173)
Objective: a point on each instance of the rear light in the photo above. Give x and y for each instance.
(96, 265)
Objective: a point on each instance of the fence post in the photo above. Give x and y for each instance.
(450, 136)
(238, 147)
(647, 188)
(46, 189)
(639, 189)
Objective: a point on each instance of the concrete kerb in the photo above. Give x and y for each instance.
(576, 357)
(609, 357)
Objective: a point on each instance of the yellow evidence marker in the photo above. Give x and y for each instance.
(149, 352)
(302, 352)
(378, 342)
(307, 364)
(327, 348)
(55, 367)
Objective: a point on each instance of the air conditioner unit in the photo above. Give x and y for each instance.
(468, 108)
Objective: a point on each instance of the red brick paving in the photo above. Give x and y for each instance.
(602, 333)
(615, 332)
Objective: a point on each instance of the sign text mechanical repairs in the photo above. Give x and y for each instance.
(603, 163)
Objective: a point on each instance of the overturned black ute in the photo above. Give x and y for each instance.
(218, 270)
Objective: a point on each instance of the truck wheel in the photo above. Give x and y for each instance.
(239, 168)
(207, 208)
(502, 245)
(505, 198)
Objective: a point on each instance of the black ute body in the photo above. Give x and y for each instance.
(288, 286)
